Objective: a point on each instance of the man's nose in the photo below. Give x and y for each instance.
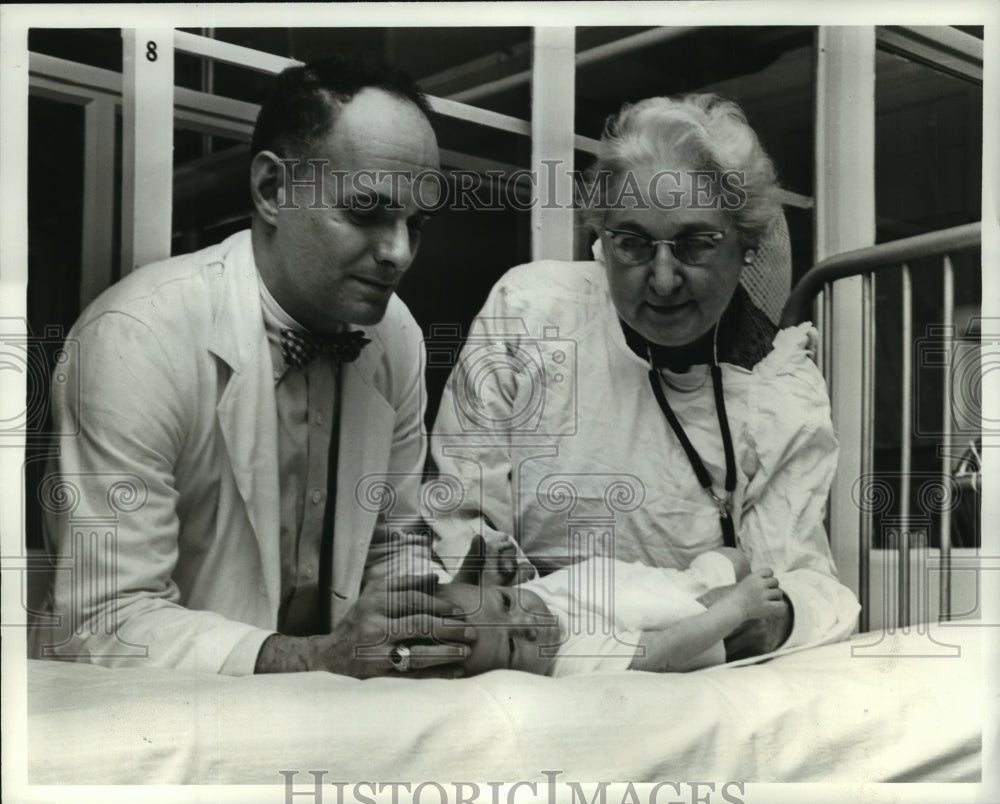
(393, 246)
(665, 271)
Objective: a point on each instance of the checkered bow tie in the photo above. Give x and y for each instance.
(299, 348)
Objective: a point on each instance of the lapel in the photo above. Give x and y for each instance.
(365, 439)
(246, 410)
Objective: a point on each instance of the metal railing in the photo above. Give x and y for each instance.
(867, 262)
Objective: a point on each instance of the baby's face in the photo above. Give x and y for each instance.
(513, 624)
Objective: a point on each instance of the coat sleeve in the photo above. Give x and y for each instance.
(401, 543)
(794, 450)
(112, 509)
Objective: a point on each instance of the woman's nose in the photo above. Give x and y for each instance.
(665, 276)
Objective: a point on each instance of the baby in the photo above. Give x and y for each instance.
(603, 614)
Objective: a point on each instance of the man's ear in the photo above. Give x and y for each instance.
(267, 185)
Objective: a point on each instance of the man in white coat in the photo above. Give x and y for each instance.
(240, 490)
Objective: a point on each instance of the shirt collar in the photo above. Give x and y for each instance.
(275, 317)
(275, 320)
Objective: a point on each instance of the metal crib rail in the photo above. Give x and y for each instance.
(872, 259)
(867, 262)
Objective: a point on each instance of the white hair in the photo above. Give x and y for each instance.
(703, 132)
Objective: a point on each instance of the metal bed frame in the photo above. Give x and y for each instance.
(867, 263)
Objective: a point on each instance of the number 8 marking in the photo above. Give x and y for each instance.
(151, 50)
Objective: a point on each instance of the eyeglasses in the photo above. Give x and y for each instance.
(695, 249)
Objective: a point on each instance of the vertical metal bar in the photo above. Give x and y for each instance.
(906, 459)
(208, 87)
(98, 198)
(845, 219)
(147, 147)
(14, 246)
(824, 307)
(867, 441)
(947, 459)
(553, 83)
(922, 596)
(819, 318)
(14, 386)
(827, 313)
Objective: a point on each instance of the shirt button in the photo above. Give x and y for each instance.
(316, 496)
(319, 418)
(309, 570)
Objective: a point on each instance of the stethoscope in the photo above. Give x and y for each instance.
(704, 478)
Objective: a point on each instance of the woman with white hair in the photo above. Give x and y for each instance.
(644, 405)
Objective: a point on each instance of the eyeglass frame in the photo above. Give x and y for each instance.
(716, 235)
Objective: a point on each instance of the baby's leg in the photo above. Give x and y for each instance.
(493, 562)
(500, 565)
(740, 564)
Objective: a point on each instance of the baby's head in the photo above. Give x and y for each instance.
(516, 629)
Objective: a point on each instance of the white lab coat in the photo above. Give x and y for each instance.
(166, 495)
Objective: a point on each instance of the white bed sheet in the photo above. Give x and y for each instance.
(819, 715)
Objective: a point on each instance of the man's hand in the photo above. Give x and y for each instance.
(494, 563)
(403, 612)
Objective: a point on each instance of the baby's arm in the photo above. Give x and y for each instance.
(669, 648)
